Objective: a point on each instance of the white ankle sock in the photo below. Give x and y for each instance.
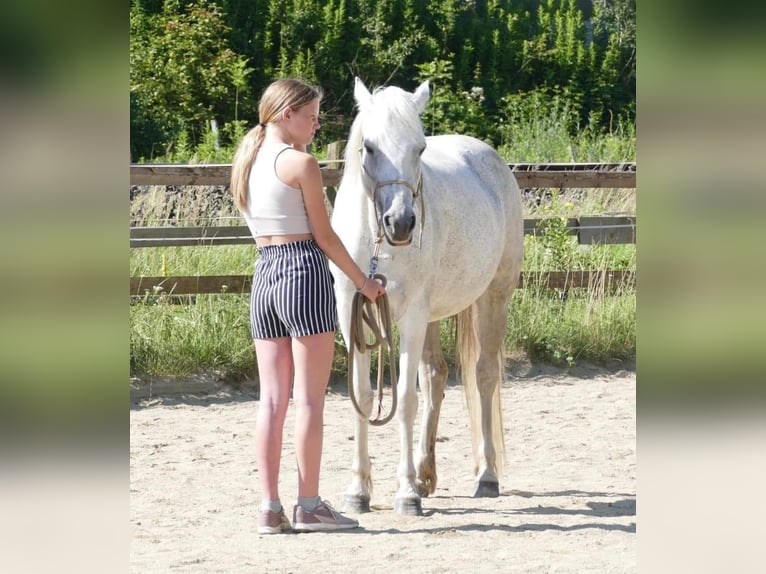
(272, 505)
(308, 502)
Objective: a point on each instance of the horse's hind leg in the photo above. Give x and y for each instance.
(484, 397)
(432, 376)
(493, 318)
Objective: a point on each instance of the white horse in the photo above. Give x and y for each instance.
(455, 249)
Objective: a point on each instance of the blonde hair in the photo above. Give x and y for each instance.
(280, 94)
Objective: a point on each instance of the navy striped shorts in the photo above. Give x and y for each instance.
(292, 293)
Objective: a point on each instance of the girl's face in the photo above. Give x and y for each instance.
(305, 122)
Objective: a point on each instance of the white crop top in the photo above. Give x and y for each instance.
(273, 207)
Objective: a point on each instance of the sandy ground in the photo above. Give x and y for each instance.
(567, 504)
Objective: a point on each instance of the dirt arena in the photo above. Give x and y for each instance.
(567, 504)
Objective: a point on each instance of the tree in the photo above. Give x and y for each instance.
(182, 72)
(193, 60)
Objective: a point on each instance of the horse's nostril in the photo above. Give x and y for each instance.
(412, 223)
(387, 220)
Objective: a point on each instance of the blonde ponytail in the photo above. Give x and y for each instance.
(242, 163)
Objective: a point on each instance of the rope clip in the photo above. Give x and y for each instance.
(373, 265)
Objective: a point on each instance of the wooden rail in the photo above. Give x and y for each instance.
(589, 230)
(551, 175)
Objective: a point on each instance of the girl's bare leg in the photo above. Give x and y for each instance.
(275, 371)
(312, 358)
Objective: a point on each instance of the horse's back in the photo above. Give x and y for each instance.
(475, 218)
(467, 165)
(453, 153)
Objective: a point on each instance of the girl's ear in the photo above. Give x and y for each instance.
(287, 113)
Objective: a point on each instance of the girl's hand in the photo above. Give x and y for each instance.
(371, 289)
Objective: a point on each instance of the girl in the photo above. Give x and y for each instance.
(277, 186)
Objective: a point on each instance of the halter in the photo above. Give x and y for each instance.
(416, 191)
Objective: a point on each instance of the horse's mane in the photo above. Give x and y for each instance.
(393, 106)
(351, 165)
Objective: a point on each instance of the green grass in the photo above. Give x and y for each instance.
(596, 324)
(212, 334)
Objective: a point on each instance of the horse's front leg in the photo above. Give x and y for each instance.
(357, 496)
(412, 335)
(432, 377)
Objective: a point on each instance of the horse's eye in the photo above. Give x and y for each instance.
(369, 149)
(422, 150)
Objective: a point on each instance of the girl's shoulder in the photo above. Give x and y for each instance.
(296, 167)
(299, 159)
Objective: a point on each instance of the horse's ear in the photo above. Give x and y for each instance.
(421, 96)
(361, 93)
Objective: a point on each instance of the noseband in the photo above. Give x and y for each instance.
(414, 190)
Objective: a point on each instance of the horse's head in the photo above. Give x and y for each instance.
(390, 144)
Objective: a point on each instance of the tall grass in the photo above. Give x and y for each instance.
(212, 335)
(540, 128)
(596, 324)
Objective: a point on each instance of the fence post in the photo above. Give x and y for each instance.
(334, 153)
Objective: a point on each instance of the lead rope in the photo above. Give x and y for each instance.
(377, 316)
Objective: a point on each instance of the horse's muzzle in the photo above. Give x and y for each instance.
(398, 230)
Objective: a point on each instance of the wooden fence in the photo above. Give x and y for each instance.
(589, 230)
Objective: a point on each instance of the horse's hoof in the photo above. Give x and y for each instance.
(408, 506)
(487, 489)
(356, 504)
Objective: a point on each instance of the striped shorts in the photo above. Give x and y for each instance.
(292, 293)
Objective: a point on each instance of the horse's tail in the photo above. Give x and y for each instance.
(468, 349)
